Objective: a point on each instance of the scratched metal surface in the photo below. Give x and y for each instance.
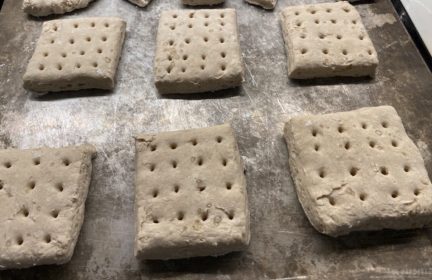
(283, 245)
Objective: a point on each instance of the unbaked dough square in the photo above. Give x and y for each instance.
(49, 7)
(197, 51)
(325, 40)
(42, 197)
(74, 54)
(266, 4)
(202, 2)
(358, 171)
(190, 195)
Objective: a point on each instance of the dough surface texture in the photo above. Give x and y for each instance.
(197, 51)
(74, 54)
(190, 195)
(49, 7)
(42, 197)
(326, 40)
(358, 171)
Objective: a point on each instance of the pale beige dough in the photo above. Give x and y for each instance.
(266, 4)
(358, 171)
(325, 40)
(49, 7)
(190, 195)
(74, 54)
(42, 197)
(197, 51)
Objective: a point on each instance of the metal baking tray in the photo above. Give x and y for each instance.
(284, 245)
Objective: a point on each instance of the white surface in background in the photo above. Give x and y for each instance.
(420, 12)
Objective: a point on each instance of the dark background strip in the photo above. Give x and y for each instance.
(409, 25)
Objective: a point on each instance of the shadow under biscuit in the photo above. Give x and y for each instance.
(70, 94)
(225, 93)
(331, 81)
(369, 239)
(225, 264)
(204, 6)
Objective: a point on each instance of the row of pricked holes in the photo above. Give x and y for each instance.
(64, 55)
(341, 129)
(363, 196)
(354, 170)
(37, 161)
(25, 212)
(372, 144)
(205, 39)
(338, 36)
(20, 239)
(317, 21)
(59, 66)
(206, 15)
(174, 145)
(183, 69)
(174, 163)
(88, 39)
(190, 25)
(201, 188)
(194, 142)
(76, 25)
(204, 216)
(328, 10)
(347, 145)
(326, 51)
(32, 185)
(203, 57)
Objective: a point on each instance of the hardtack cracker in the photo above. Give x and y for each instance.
(324, 40)
(190, 194)
(48, 7)
(357, 171)
(197, 51)
(73, 54)
(42, 197)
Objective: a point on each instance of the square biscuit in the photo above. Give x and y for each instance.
(42, 197)
(197, 51)
(326, 40)
(190, 195)
(202, 2)
(49, 7)
(266, 4)
(74, 54)
(358, 171)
